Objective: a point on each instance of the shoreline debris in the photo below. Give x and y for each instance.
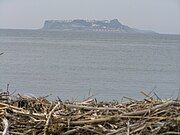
(23, 115)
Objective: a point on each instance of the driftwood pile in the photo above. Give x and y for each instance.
(21, 115)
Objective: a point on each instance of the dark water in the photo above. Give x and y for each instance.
(70, 64)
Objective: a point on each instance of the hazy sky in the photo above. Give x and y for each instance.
(159, 15)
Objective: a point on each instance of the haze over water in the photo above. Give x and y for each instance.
(70, 64)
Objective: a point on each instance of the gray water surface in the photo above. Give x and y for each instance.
(72, 64)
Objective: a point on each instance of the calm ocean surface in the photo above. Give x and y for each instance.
(73, 64)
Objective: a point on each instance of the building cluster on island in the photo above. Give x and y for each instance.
(90, 25)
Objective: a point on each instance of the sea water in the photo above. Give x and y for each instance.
(74, 65)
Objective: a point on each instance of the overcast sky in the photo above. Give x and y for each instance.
(159, 15)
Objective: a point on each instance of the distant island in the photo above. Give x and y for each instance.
(91, 25)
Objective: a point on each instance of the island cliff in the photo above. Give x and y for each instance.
(90, 25)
